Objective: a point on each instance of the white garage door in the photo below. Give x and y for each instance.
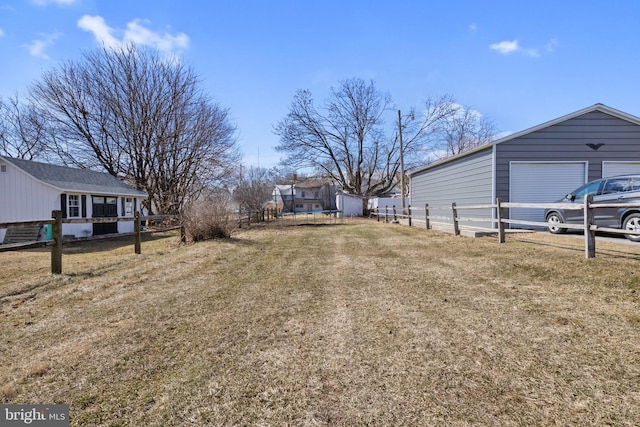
(542, 182)
(620, 168)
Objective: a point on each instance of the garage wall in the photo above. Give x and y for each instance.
(468, 180)
(603, 139)
(567, 141)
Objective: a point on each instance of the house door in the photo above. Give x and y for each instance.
(105, 207)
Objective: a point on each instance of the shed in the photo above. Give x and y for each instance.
(30, 191)
(537, 165)
(349, 205)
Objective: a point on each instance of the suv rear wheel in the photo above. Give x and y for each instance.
(553, 219)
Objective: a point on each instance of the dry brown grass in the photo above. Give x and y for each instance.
(360, 323)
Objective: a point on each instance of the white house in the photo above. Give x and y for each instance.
(305, 195)
(30, 191)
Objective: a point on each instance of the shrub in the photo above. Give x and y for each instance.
(207, 219)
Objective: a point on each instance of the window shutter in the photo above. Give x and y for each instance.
(84, 206)
(63, 205)
(135, 204)
(122, 203)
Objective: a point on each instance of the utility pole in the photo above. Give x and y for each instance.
(401, 162)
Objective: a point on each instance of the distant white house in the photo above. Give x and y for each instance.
(30, 191)
(315, 195)
(305, 195)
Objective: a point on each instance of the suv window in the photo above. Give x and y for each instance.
(591, 188)
(616, 185)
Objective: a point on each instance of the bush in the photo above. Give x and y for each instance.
(204, 220)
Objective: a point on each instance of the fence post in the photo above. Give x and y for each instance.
(501, 234)
(456, 227)
(56, 249)
(386, 213)
(136, 232)
(426, 215)
(589, 235)
(409, 212)
(395, 217)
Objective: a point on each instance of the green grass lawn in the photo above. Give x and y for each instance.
(357, 323)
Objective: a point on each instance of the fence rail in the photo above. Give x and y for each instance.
(499, 218)
(56, 242)
(266, 215)
(58, 239)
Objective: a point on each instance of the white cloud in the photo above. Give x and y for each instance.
(551, 46)
(136, 32)
(508, 47)
(101, 31)
(505, 47)
(37, 47)
(1, 33)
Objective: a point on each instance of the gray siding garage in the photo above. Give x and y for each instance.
(537, 165)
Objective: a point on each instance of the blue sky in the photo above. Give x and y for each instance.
(521, 63)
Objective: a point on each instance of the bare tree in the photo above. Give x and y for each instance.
(345, 138)
(139, 116)
(21, 130)
(253, 188)
(464, 130)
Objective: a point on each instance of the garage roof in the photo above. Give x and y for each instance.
(596, 107)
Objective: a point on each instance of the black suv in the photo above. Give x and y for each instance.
(615, 189)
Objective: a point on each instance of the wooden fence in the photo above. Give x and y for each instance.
(588, 225)
(57, 238)
(56, 242)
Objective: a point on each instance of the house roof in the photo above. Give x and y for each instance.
(68, 179)
(596, 107)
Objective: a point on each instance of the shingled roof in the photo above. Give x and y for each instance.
(68, 179)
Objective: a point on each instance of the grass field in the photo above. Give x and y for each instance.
(360, 323)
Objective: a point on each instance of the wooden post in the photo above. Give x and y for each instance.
(409, 211)
(137, 233)
(589, 235)
(501, 234)
(386, 213)
(56, 249)
(426, 215)
(395, 217)
(456, 227)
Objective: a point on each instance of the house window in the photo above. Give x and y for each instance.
(302, 194)
(74, 205)
(128, 206)
(105, 206)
